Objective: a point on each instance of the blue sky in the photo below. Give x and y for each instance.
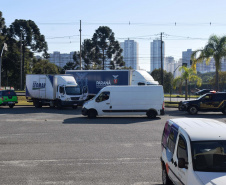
(141, 21)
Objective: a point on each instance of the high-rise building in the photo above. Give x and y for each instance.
(186, 58)
(156, 54)
(130, 53)
(61, 59)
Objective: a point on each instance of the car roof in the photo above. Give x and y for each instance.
(199, 129)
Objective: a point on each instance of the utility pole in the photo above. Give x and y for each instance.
(80, 45)
(3, 48)
(21, 61)
(161, 62)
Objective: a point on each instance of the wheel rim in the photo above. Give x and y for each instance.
(193, 110)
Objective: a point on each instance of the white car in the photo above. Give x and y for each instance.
(194, 152)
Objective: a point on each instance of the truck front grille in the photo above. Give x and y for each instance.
(74, 98)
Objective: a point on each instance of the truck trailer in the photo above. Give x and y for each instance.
(54, 90)
(95, 80)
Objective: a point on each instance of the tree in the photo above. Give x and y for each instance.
(2, 23)
(216, 48)
(222, 80)
(168, 77)
(188, 75)
(29, 34)
(44, 67)
(106, 47)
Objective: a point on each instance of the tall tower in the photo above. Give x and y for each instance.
(130, 53)
(156, 54)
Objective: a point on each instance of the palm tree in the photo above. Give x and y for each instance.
(216, 48)
(188, 75)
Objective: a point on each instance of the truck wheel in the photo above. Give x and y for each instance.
(92, 114)
(11, 106)
(59, 105)
(165, 178)
(192, 110)
(224, 110)
(37, 104)
(151, 114)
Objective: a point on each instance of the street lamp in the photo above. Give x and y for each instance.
(3, 48)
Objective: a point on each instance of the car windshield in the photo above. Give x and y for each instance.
(200, 97)
(209, 156)
(8, 93)
(73, 90)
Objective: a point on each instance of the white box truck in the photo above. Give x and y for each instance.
(126, 100)
(54, 90)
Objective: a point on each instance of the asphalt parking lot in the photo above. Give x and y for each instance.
(51, 146)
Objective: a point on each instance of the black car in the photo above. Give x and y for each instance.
(203, 91)
(215, 102)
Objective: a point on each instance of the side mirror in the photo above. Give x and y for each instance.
(182, 163)
(85, 89)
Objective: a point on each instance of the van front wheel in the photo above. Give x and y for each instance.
(151, 114)
(92, 114)
(165, 178)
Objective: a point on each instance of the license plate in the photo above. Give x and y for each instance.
(10, 102)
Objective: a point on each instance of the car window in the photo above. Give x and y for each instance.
(182, 148)
(103, 96)
(172, 139)
(165, 134)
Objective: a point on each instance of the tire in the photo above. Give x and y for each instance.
(165, 178)
(151, 114)
(37, 104)
(224, 110)
(11, 106)
(92, 114)
(59, 105)
(193, 110)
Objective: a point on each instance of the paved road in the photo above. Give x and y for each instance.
(50, 146)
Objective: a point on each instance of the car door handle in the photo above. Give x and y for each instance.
(108, 103)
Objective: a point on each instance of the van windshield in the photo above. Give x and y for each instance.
(209, 156)
(73, 90)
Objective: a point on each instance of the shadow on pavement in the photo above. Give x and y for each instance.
(109, 120)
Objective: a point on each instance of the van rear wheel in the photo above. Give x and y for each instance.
(165, 178)
(151, 114)
(92, 114)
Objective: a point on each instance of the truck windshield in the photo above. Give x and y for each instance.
(73, 90)
(209, 156)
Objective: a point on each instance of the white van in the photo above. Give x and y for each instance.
(194, 152)
(126, 100)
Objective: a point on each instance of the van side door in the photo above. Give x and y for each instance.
(182, 160)
(103, 103)
(170, 153)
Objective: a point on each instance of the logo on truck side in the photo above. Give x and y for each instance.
(37, 85)
(115, 78)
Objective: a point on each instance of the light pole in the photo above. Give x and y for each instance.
(3, 48)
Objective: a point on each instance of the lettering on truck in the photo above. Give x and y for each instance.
(37, 85)
(101, 84)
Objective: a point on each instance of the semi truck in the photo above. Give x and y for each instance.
(54, 90)
(95, 80)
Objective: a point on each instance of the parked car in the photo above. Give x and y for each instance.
(193, 152)
(203, 91)
(214, 101)
(8, 97)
